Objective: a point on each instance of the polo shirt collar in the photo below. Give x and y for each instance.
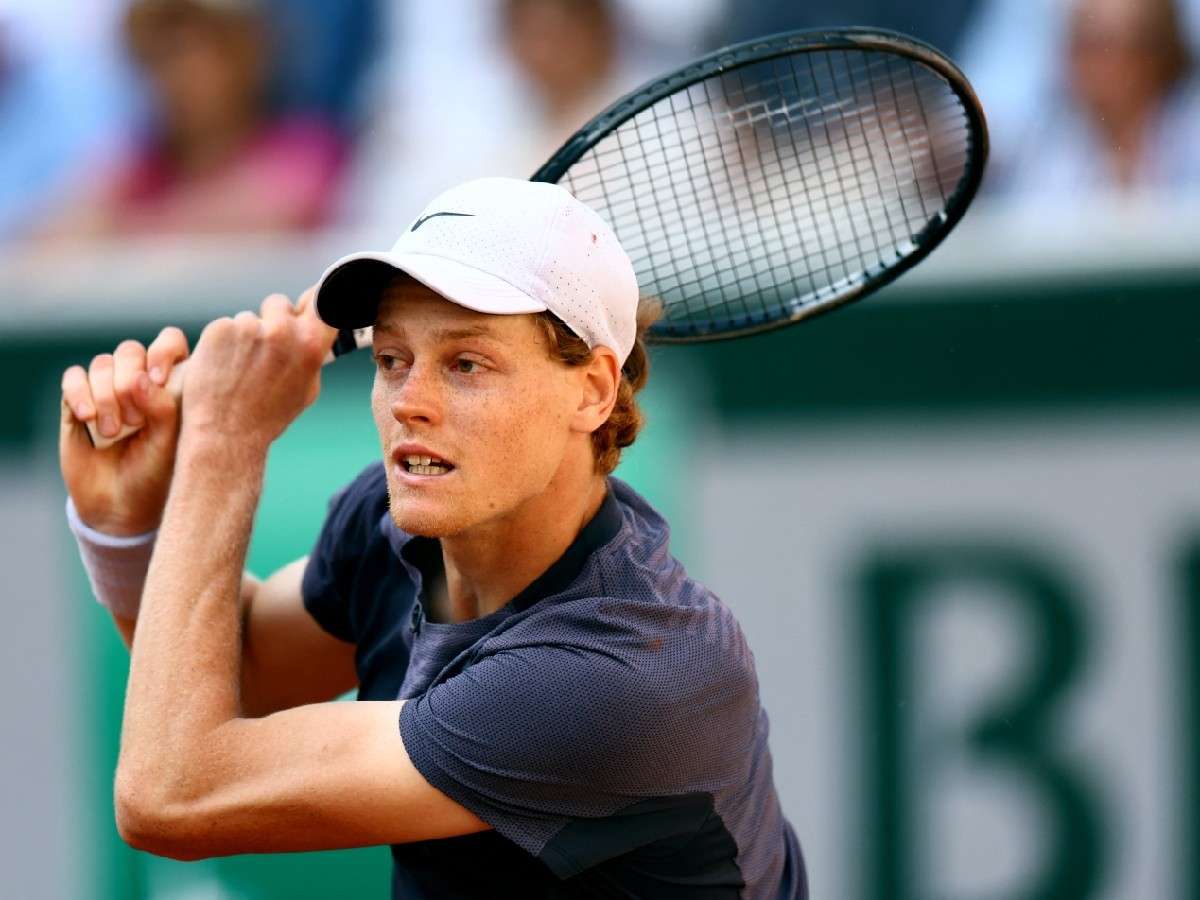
(421, 555)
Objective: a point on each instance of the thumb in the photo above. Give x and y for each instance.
(306, 308)
(160, 404)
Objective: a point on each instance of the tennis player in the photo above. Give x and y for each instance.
(549, 705)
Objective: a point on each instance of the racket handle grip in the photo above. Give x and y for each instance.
(100, 442)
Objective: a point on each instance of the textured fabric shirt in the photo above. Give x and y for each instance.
(605, 722)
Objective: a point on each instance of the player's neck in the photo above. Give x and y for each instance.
(493, 563)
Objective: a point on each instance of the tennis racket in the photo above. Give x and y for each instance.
(776, 179)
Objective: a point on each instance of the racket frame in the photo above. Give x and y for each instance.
(737, 56)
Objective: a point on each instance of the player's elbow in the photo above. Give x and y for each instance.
(150, 821)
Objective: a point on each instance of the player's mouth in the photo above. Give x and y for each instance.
(414, 460)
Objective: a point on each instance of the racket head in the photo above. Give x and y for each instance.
(780, 178)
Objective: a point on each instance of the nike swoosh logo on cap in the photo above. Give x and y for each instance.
(421, 221)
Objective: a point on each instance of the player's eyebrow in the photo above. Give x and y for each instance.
(443, 334)
(469, 331)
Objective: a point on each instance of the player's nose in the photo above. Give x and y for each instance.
(419, 397)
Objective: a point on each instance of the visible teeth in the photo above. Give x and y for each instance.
(422, 460)
(428, 470)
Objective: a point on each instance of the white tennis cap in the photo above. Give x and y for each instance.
(504, 246)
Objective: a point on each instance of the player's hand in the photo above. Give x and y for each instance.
(252, 375)
(121, 490)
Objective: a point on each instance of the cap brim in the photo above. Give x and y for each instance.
(349, 292)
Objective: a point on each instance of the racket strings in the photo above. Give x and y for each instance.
(778, 184)
(644, 173)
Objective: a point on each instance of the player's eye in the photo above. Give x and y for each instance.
(385, 361)
(466, 366)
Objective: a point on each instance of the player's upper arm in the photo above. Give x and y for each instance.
(324, 776)
(288, 659)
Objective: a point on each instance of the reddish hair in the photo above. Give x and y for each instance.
(626, 419)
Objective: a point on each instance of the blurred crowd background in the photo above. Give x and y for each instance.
(234, 116)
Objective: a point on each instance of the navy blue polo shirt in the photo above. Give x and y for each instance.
(605, 722)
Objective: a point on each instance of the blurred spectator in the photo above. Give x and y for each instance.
(63, 91)
(493, 87)
(213, 159)
(1119, 113)
(566, 52)
(324, 50)
(1130, 76)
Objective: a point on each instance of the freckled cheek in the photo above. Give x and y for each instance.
(507, 434)
(536, 433)
(489, 423)
(380, 410)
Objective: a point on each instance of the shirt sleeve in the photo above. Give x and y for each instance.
(329, 575)
(533, 738)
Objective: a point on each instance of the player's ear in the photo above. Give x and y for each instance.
(600, 379)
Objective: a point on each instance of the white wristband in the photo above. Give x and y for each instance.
(116, 566)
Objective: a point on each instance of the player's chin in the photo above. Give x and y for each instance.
(416, 513)
(420, 521)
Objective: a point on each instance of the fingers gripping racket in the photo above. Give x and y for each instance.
(776, 179)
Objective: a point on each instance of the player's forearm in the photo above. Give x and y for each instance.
(184, 673)
(126, 626)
